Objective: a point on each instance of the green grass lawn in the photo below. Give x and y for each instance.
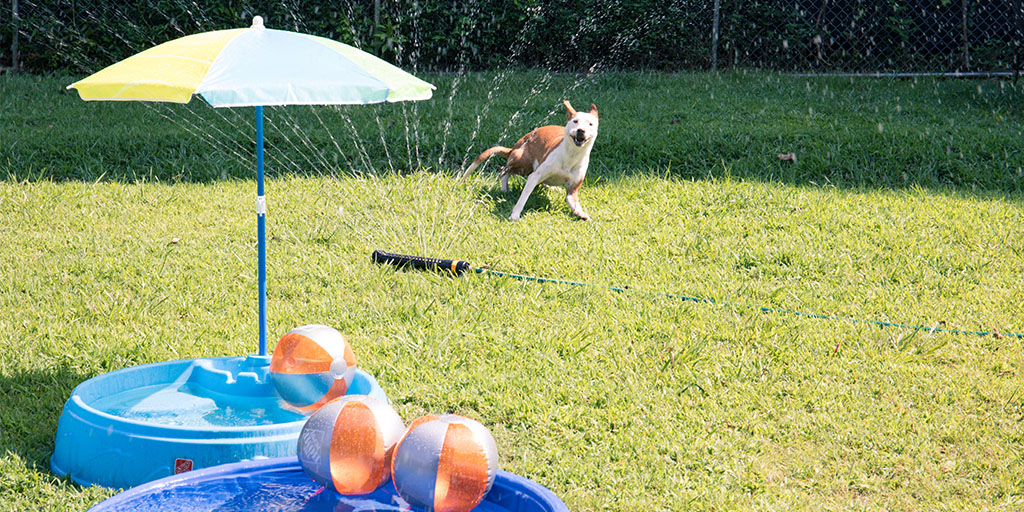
(129, 237)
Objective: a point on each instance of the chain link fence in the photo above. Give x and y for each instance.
(804, 36)
(908, 36)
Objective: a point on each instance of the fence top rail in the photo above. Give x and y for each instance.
(881, 74)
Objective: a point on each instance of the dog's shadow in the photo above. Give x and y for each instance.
(543, 198)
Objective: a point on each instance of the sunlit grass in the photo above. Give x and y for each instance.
(614, 401)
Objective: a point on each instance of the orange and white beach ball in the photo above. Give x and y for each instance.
(347, 444)
(311, 366)
(445, 463)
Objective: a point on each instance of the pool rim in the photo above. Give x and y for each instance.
(536, 491)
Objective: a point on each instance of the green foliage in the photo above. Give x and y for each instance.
(90, 34)
(854, 35)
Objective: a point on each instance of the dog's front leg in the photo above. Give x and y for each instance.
(531, 183)
(572, 198)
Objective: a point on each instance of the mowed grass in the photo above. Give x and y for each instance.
(129, 238)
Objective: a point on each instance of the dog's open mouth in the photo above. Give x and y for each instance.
(579, 138)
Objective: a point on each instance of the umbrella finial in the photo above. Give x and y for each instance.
(257, 22)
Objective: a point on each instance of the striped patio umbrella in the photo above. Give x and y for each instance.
(254, 67)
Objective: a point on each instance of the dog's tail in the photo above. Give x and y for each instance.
(496, 150)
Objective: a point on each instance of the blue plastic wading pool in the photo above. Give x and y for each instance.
(134, 425)
(281, 485)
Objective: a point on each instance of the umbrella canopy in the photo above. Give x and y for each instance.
(256, 67)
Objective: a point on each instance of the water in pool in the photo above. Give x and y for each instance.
(191, 405)
(288, 489)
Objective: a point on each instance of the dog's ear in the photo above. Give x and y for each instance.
(593, 110)
(569, 111)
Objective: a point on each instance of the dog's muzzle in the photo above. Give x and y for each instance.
(579, 137)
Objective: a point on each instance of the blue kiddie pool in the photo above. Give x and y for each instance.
(280, 485)
(138, 424)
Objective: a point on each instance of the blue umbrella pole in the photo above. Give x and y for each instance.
(261, 231)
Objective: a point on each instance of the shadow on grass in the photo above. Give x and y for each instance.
(868, 133)
(503, 202)
(32, 401)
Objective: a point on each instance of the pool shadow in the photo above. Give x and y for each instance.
(32, 401)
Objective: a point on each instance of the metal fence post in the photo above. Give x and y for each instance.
(15, 63)
(376, 23)
(714, 39)
(1018, 34)
(967, 62)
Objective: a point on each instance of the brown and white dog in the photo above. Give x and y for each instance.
(553, 155)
